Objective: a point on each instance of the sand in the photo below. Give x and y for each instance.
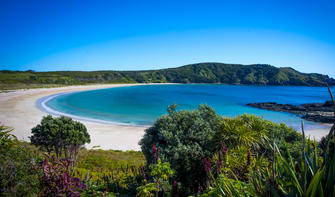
(317, 134)
(18, 110)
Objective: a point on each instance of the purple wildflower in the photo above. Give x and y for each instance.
(223, 148)
(155, 152)
(218, 165)
(200, 189)
(249, 158)
(142, 171)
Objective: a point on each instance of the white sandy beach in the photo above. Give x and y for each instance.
(18, 110)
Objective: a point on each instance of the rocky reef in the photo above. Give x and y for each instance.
(316, 112)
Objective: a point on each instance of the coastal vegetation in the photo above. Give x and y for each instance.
(62, 135)
(185, 153)
(256, 74)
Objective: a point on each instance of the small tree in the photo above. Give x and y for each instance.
(183, 138)
(62, 135)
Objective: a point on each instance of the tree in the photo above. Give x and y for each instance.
(62, 135)
(184, 139)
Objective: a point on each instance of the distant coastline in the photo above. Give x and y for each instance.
(211, 73)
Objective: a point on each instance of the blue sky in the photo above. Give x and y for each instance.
(48, 35)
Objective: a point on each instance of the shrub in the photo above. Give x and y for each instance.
(245, 130)
(255, 133)
(17, 177)
(183, 138)
(56, 179)
(62, 135)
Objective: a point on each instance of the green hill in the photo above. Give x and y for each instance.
(256, 74)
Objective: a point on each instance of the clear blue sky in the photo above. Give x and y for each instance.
(48, 35)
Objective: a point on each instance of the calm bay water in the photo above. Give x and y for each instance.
(142, 105)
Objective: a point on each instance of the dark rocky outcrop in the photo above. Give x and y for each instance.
(317, 112)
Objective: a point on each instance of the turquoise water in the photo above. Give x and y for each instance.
(142, 105)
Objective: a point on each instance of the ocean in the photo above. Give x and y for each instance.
(142, 105)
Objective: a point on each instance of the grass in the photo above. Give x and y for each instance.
(7, 87)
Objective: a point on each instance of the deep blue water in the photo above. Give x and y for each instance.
(142, 105)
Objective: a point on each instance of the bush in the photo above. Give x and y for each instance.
(255, 133)
(245, 130)
(183, 138)
(61, 135)
(17, 177)
(56, 179)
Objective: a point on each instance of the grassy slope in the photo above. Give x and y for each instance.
(257, 74)
(99, 162)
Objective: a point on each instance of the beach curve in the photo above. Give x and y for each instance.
(19, 110)
(41, 104)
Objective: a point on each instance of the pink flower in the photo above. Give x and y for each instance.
(142, 171)
(218, 166)
(223, 149)
(155, 152)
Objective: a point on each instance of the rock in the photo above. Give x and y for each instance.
(317, 112)
(319, 118)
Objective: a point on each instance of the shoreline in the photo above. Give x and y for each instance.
(19, 110)
(23, 110)
(41, 105)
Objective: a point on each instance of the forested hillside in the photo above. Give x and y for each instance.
(257, 74)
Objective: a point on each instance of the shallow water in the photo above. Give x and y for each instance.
(142, 105)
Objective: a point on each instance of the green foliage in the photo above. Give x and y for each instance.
(146, 190)
(278, 175)
(160, 173)
(109, 171)
(284, 179)
(104, 160)
(6, 139)
(62, 135)
(281, 174)
(258, 74)
(209, 155)
(255, 133)
(225, 186)
(17, 177)
(183, 138)
(56, 178)
(246, 133)
(96, 191)
(237, 163)
(245, 130)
